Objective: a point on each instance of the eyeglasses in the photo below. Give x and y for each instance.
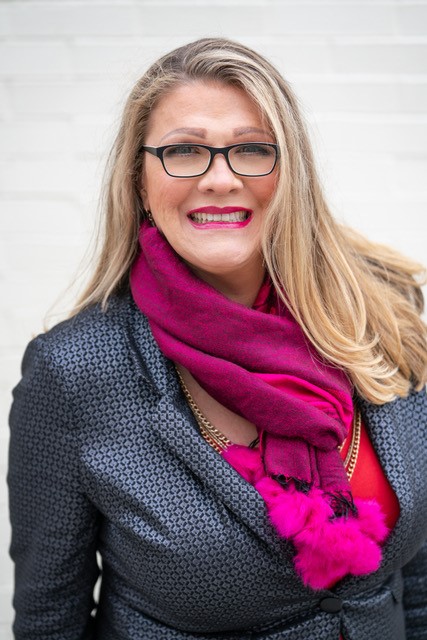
(191, 160)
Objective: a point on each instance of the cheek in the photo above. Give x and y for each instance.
(168, 203)
(168, 197)
(154, 185)
(264, 190)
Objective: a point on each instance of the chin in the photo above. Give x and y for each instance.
(222, 267)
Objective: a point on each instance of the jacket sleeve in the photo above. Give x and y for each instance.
(54, 526)
(415, 595)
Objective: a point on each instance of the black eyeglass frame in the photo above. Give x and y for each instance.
(159, 151)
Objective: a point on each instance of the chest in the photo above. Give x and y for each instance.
(234, 427)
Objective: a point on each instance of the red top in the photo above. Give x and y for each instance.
(369, 481)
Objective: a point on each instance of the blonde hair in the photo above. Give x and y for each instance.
(358, 303)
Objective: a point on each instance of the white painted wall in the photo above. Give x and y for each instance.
(360, 69)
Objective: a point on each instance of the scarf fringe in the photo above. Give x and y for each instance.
(332, 535)
(287, 481)
(341, 502)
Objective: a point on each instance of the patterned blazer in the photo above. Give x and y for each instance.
(105, 456)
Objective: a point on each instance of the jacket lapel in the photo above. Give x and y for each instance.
(384, 425)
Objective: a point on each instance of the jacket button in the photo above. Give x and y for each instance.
(331, 604)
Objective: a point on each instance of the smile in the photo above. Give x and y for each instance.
(235, 216)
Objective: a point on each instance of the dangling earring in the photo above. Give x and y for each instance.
(146, 212)
(150, 217)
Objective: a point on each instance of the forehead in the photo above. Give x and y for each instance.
(211, 106)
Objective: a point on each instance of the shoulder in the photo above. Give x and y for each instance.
(85, 337)
(412, 408)
(93, 346)
(93, 324)
(86, 374)
(399, 423)
(414, 404)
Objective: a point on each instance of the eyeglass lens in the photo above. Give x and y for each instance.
(248, 159)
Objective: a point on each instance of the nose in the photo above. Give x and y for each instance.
(220, 178)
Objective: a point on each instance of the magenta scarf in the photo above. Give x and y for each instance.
(229, 349)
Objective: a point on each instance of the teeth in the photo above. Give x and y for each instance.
(236, 216)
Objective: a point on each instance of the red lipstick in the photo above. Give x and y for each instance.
(217, 224)
(212, 209)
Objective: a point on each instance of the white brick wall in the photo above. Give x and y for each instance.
(360, 69)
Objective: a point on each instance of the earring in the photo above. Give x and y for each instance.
(150, 217)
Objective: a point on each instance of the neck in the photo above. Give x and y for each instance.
(241, 287)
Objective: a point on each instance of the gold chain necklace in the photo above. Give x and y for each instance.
(214, 437)
(353, 450)
(219, 441)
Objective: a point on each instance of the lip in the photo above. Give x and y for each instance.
(218, 224)
(212, 209)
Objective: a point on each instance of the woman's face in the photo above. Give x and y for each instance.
(217, 115)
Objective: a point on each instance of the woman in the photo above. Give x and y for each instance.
(234, 417)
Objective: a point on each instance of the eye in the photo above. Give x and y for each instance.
(255, 150)
(182, 150)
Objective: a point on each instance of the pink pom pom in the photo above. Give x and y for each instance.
(327, 547)
(372, 519)
(339, 548)
(288, 509)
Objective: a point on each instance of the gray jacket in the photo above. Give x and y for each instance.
(105, 455)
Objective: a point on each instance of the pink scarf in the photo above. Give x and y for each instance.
(235, 353)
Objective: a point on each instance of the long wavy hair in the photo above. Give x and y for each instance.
(358, 303)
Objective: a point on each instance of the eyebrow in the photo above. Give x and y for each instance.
(201, 133)
(241, 131)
